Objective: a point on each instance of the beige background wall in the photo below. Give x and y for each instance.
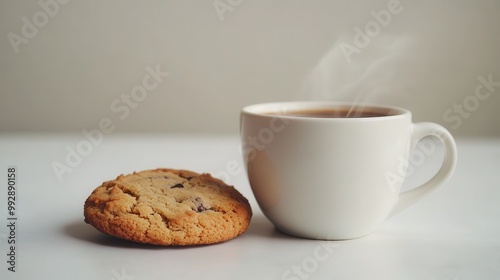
(68, 66)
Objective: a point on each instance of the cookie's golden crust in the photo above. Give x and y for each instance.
(168, 207)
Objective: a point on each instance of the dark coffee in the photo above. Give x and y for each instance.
(335, 113)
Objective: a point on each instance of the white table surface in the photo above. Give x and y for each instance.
(453, 234)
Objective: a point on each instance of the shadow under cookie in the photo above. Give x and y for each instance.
(83, 232)
(86, 233)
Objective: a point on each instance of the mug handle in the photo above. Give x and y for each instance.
(419, 131)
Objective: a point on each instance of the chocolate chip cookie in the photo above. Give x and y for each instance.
(168, 207)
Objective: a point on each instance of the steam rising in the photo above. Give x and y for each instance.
(383, 68)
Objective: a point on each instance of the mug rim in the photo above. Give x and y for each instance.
(266, 109)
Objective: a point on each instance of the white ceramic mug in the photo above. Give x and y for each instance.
(334, 178)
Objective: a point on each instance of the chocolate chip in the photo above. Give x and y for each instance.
(189, 178)
(177, 186)
(199, 206)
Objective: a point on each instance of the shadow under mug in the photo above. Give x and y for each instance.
(334, 177)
